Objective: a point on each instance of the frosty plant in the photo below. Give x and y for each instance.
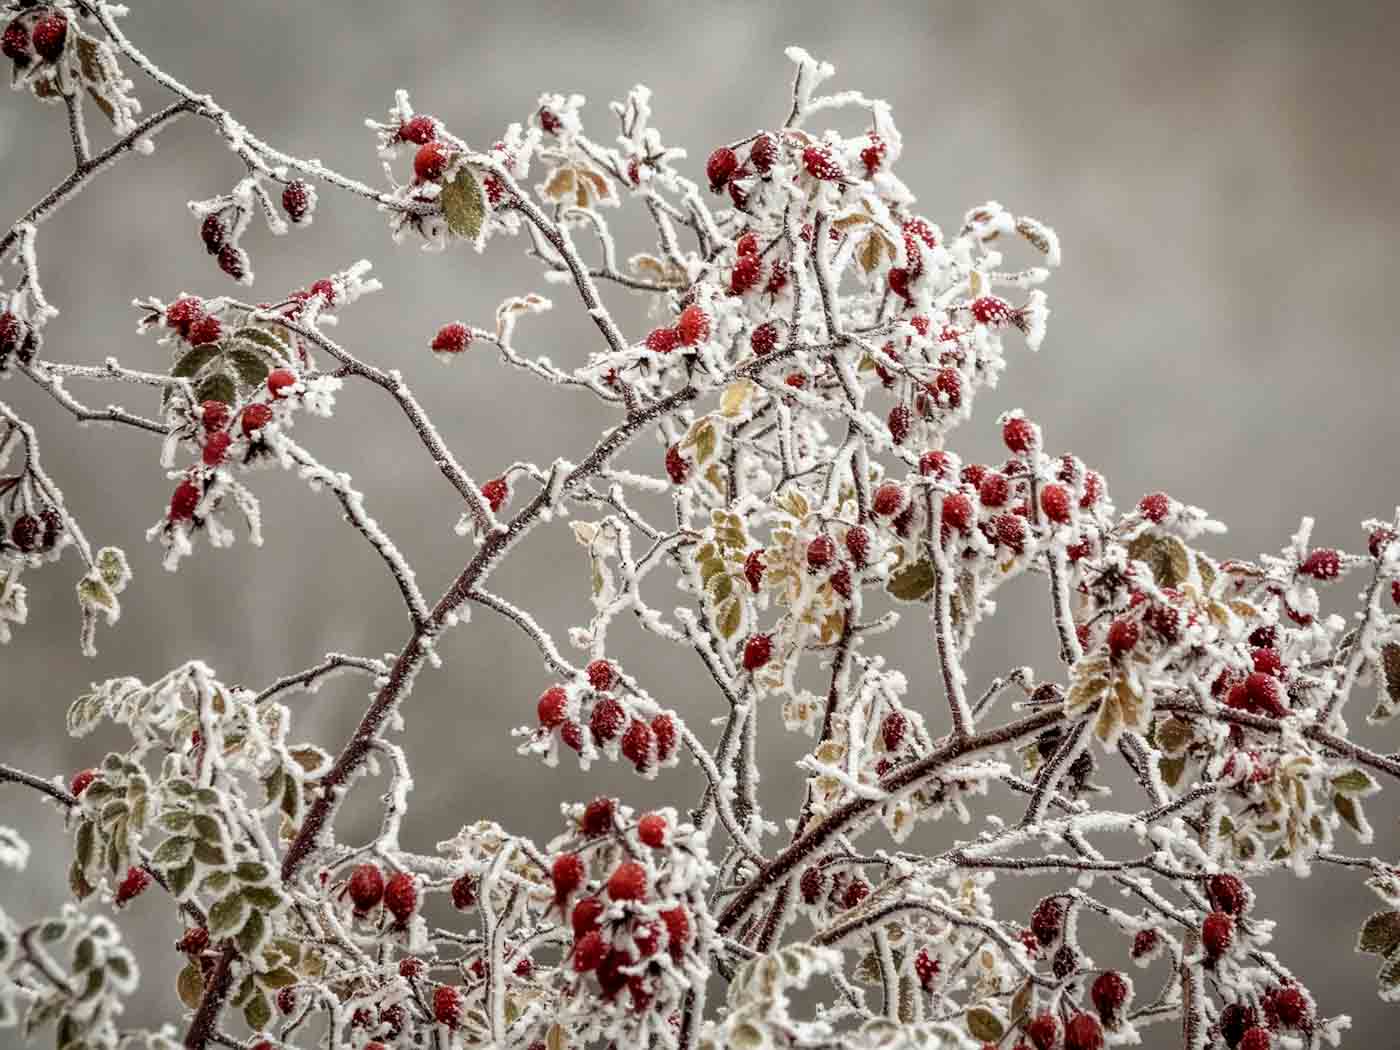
(816, 343)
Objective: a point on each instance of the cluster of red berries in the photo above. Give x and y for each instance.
(643, 743)
(692, 327)
(29, 37)
(216, 232)
(33, 533)
(367, 889)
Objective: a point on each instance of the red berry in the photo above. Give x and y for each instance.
(872, 154)
(1048, 920)
(994, 489)
(598, 817)
(665, 732)
(747, 244)
(1228, 894)
(651, 829)
(1019, 434)
(796, 380)
(1217, 934)
(1322, 564)
(722, 164)
(898, 279)
(214, 415)
(888, 501)
(820, 551)
(606, 720)
(50, 33)
(753, 569)
(133, 884)
(933, 464)
(419, 130)
(926, 968)
(447, 1005)
(183, 313)
(900, 422)
(585, 916)
(1054, 501)
(991, 310)
(601, 675)
(1154, 506)
(758, 650)
(287, 999)
(278, 380)
(1379, 540)
(677, 922)
(957, 511)
(431, 160)
(401, 896)
(80, 782)
(213, 233)
(463, 896)
(1122, 636)
(1083, 1033)
(549, 122)
(184, 501)
(693, 326)
(1145, 942)
(567, 875)
(748, 270)
(552, 706)
(820, 164)
(1010, 531)
(25, 532)
(1043, 1031)
(636, 744)
(255, 417)
(763, 152)
(366, 887)
(1235, 1020)
(764, 338)
(892, 730)
(1395, 592)
(948, 383)
(215, 447)
(589, 952)
(1256, 1039)
(1110, 994)
(677, 466)
(206, 330)
(1265, 694)
(525, 967)
(452, 338)
(297, 201)
(858, 545)
(856, 891)
(628, 882)
(572, 735)
(811, 885)
(1291, 1007)
(233, 261)
(15, 43)
(662, 340)
(496, 492)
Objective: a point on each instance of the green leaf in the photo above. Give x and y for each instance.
(254, 932)
(193, 362)
(464, 205)
(278, 978)
(1380, 934)
(731, 615)
(217, 386)
(984, 1024)
(250, 365)
(1355, 782)
(912, 583)
(180, 880)
(257, 1012)
(190, 986)
(174, 852)
(1350, 811)
(251, 871)
(211, 856)
(112, 565)
(78, 883)
(227, 915)
(93, 593)
(85, 840)
(265, 898)
(267, 340)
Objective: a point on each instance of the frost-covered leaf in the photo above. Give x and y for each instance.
(984, 1024)
(249, 365)
(1380, 934)
(464, 205)
(913, 582)
(217, 386)
(189, 985)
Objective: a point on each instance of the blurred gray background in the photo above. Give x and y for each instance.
(1223, 180)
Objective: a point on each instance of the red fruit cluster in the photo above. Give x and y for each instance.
(133, 884)
(693, 326)
(401, 896)
(651, 829)
(758, 650)
(1322, 564)
(496, 492)
(819, 164)
(452, 338)
(366, 888)
(1154, 506)
(628, 882)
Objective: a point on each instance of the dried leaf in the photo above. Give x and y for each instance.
(1380, 934)
(464, 205)
(912, 583)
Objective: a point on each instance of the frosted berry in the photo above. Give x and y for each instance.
(1228, 894)
(820, 551)
(753, 569)
(50, 33)
(1217, 934)
(662, 340)
(1379, 540)
(628, 882)
(1019, 434)
(1155, 506)
(287, 1000)
(933, 464)
(255, 417)
(601, 675)
(452, 338)
(431, 161)
(651, 829)
(957, 511)
(1235, 1020)
(585, 916)
(758, 650)
(1122, 636)
(1265, 694)
(1290, 1006)
(214, 415)
(1048, 920)
(948, 384)
(606, 721)
(888, 501)
(665, 732)
(841, 582)
(722, 164)
(892, 730)
(366, 887)
(677, 466)
(213, 233)
(216, 447)
(1395, 592)
(1055, 502)
(1043, 1031)
(856, 891)
(858, 545)
(549, 121)
(1083, 1033)
(811, 885)
(184, 501)
(926, 968)
(763, 153)
(447, 1005)
(1256, 1039)
(233, 262)
(764, 338)
(899, 279)
(278, 380)
(819, 164)
(1145, 943)
(1010, 532)
(133, 884)
(991, 310)
(298, 199)
(900, 421)
(1110, 994)
(1065, 962)
(589, 952)
(25, 532)
(1322, 564)
(81, 781)
(401, 896)
(693, 326)
(994, 489)
(206, 330)
(53, 525)
(463, 895)
(497, 493)
(15, 43)
(567, 874)
(552, 707)
(677, 922)
(183, 313)
(418, 130)
(872, 155)
(747, 272)
(636, 744)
